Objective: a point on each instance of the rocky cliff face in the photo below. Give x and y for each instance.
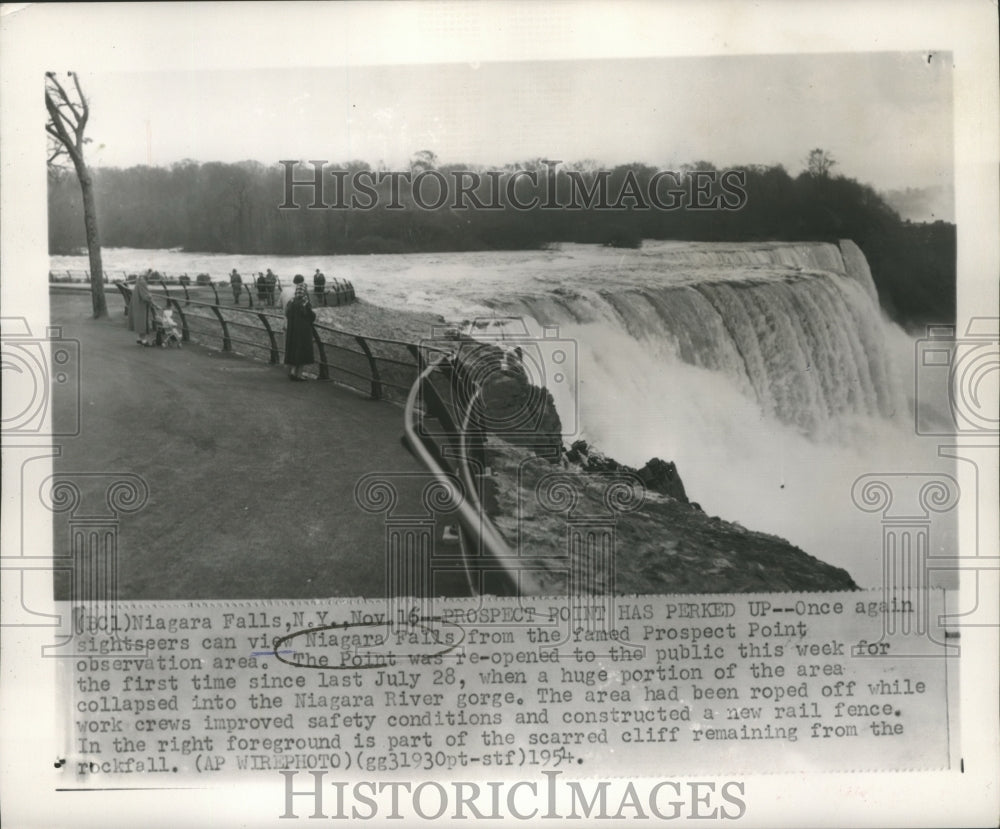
(664, 545)
(509, 405)
(536, 491)
(657, 475)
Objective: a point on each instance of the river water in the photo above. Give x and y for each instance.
(766, 372)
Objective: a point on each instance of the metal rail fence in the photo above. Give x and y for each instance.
(439, 427)
(440, 430)
(381, 368)
(336, 291)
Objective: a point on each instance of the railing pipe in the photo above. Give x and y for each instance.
(185, 331)
(324, 369)
(275, 354)
(490, 546)
(376, 379)
(126, 296)
(227, 343)
(418, 356)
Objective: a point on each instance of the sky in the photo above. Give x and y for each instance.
(885, 116)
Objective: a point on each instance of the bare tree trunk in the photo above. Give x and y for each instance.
(97, 297)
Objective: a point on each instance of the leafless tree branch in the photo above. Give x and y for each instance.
(65, 128)
(64, 97)
(84, 106)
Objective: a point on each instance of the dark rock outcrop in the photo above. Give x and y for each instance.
(510, 406)
(662, 476)
(657, 475)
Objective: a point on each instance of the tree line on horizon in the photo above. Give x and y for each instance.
(218, 207)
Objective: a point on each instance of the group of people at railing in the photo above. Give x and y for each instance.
(306, 335)
(268, 287)
(147, 319)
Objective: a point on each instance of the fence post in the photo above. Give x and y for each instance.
(227, 344)
(418, 356)
(185, 332)
(214, 291)
(275, 355)
(324, 369)
(126, 296)
(376, 379)
(187, 296)
(163, 285)
(250, 290)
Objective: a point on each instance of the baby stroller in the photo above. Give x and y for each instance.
(167, 334)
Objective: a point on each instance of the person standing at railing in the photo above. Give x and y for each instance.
(319, 285)
(236, 283)
(271, 281)
(299, 317)
(261, 287)
(140, 308)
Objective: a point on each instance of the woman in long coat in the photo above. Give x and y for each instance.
(140, 309)
(299, 317)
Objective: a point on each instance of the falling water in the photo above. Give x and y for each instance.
(789, 326)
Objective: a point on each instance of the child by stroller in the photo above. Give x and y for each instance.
(167, 334)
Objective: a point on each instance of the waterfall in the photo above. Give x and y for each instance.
(795, 327)
(765, 371)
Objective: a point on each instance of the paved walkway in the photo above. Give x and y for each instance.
(251, 477)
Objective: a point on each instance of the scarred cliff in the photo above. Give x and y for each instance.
(664, 545)
(535, 490)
